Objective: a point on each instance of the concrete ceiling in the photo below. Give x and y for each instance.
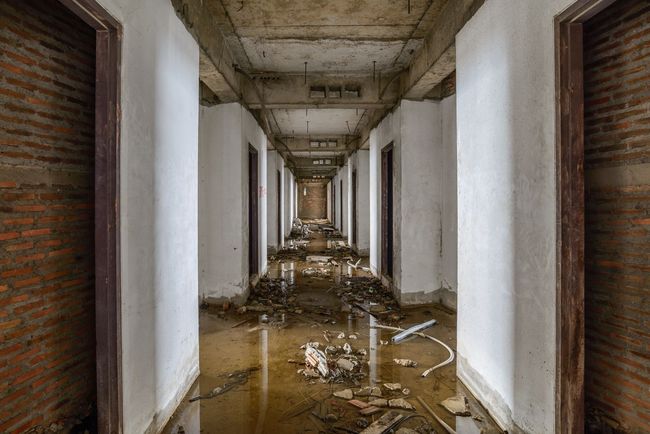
(361, 57)
(331, 35)
(322, 122)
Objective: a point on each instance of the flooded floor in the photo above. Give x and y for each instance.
(269, 393)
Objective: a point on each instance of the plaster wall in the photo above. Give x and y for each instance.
(288, 201)
(345, 196)
(507, 210)
(415, 130)
(272, 200)
(158, 211)
(419, 215)
(449, 283)
(329, 200)
(226, 131)
(359, 161)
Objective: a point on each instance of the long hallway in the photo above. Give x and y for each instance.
(319, 295)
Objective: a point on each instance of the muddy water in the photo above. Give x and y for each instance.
(265, 402)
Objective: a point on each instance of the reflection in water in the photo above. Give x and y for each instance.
(265, 404)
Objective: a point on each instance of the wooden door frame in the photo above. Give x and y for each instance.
(570, 320)
(253, 198)
(107, 210)
(387, 266)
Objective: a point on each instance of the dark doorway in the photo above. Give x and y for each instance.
(279, 207)
(61, 81)
(354, 208)
(253, 212)
(387, 211)
(602, 115)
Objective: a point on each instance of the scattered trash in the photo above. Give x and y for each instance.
(393, 386)
(406, 362)
(380, 402)
(368, 391)
(400, 403)
(408, 332)
(449, 429)
(316, 359)
(384, 424)
(238, 378)
(345, 364)
(357, 403)
(344, 394)
(457, 405)
(440, 365)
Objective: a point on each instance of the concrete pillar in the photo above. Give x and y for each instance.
(288, 201)
(226, 132)
(275, 165)
(359, 163)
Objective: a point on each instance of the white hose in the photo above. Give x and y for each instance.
(430, 370)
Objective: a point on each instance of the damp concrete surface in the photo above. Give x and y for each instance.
(275, 391)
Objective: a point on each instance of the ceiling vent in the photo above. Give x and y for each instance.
(317, 92)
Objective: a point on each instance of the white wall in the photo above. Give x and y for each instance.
(449, 203)
(225, 134)
(359, 161)
(415, 130)
(329, 200)
(158, 211)
(419, 213)
(507, 210)
(275, 164)
(288, 201)
(345, 194)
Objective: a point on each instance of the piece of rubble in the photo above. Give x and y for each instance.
(362, 352)
(457, 405)
(370, 411)
(383, 342)
(384, 423)
(362, 422)
(368, 391)
(345, 364)
(341, 336)
(405, 430)
(392, 386)
(379, 402)
(400, 403)
(344, 394)
(406, 391)
(353, 336)
(406, 362)
(317, 359)
(347, 348)
(358, 404)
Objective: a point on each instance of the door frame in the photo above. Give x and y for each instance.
(387, 212)
(253, 212)
(570, 289)
(107, 211)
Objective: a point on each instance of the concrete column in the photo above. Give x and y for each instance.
(226, 132)
(359, 162)
(273, 160)
(288, 201)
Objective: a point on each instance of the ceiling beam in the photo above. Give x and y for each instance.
(288, 91)
(215, 68)
(436, 59)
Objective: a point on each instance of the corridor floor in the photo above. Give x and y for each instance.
(275, 397)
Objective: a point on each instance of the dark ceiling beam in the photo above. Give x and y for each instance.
(215, 68)
(436, 59)
(289, 91)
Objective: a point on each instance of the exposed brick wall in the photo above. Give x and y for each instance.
(314, 205)
(47, 343)
(617, 170)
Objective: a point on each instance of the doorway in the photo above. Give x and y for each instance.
(253, 212)
(65, 210)
(354, 209)
(387, 211)
(603, 186)
(333, 203)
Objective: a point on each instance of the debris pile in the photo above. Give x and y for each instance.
(370, 296)
(333, 363)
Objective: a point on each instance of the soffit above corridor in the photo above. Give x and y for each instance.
(334, 36)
